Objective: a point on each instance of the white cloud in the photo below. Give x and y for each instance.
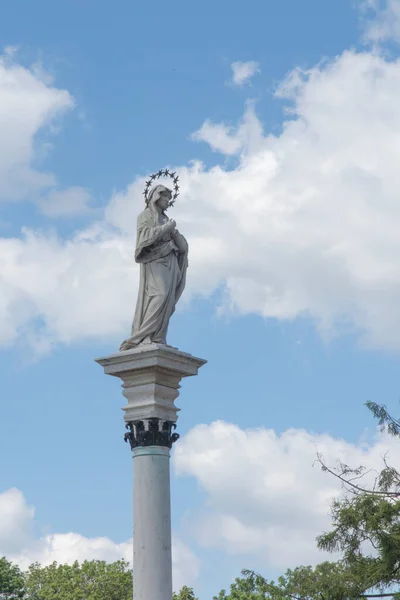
(264, 497)
(185, 564)
(69, 547)
(16, 519)
(219, 137)
(19, 545)
(69, 202)
(29, 105)
(64, 291)
(306, 223)
(242, 72)
(384, 24)
(230, 141)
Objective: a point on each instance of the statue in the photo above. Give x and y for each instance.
(162, 253)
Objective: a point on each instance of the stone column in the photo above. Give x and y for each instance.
(151, 377)
(152, 547)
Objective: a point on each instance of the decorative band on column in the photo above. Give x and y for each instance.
(151, 432)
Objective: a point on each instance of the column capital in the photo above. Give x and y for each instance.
(151, 432)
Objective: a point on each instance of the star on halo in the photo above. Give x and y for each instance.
(163, 173)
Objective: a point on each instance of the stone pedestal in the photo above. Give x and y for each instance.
(151, 377)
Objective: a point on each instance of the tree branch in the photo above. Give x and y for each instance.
(353, 485)
(379, 595)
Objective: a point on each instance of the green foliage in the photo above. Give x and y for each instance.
(386, 421)
(248, 587)
(361, 519)
(366, 523)
(11, 581)
(92, 580)
(327, 581)
(185, 594)
(367, 518)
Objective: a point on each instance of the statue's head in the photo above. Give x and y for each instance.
(160, 195)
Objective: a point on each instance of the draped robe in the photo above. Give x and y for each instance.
(163, 259)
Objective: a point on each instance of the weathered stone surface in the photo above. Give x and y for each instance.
(162, 253)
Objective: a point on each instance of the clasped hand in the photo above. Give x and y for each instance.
(170, 226)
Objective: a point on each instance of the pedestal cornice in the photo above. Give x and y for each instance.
(151, 376)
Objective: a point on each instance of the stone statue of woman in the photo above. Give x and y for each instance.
(162, 253)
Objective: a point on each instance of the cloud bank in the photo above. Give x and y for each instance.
(266, 498)
(303, 224)
(18, 543)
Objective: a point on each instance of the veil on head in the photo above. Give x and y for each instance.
(155, 194)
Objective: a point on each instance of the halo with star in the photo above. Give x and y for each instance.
(163, 173)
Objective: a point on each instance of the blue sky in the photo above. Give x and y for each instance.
(290, 191)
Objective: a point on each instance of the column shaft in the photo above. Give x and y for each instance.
(152, 563)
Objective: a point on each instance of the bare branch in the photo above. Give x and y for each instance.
(356, 488)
